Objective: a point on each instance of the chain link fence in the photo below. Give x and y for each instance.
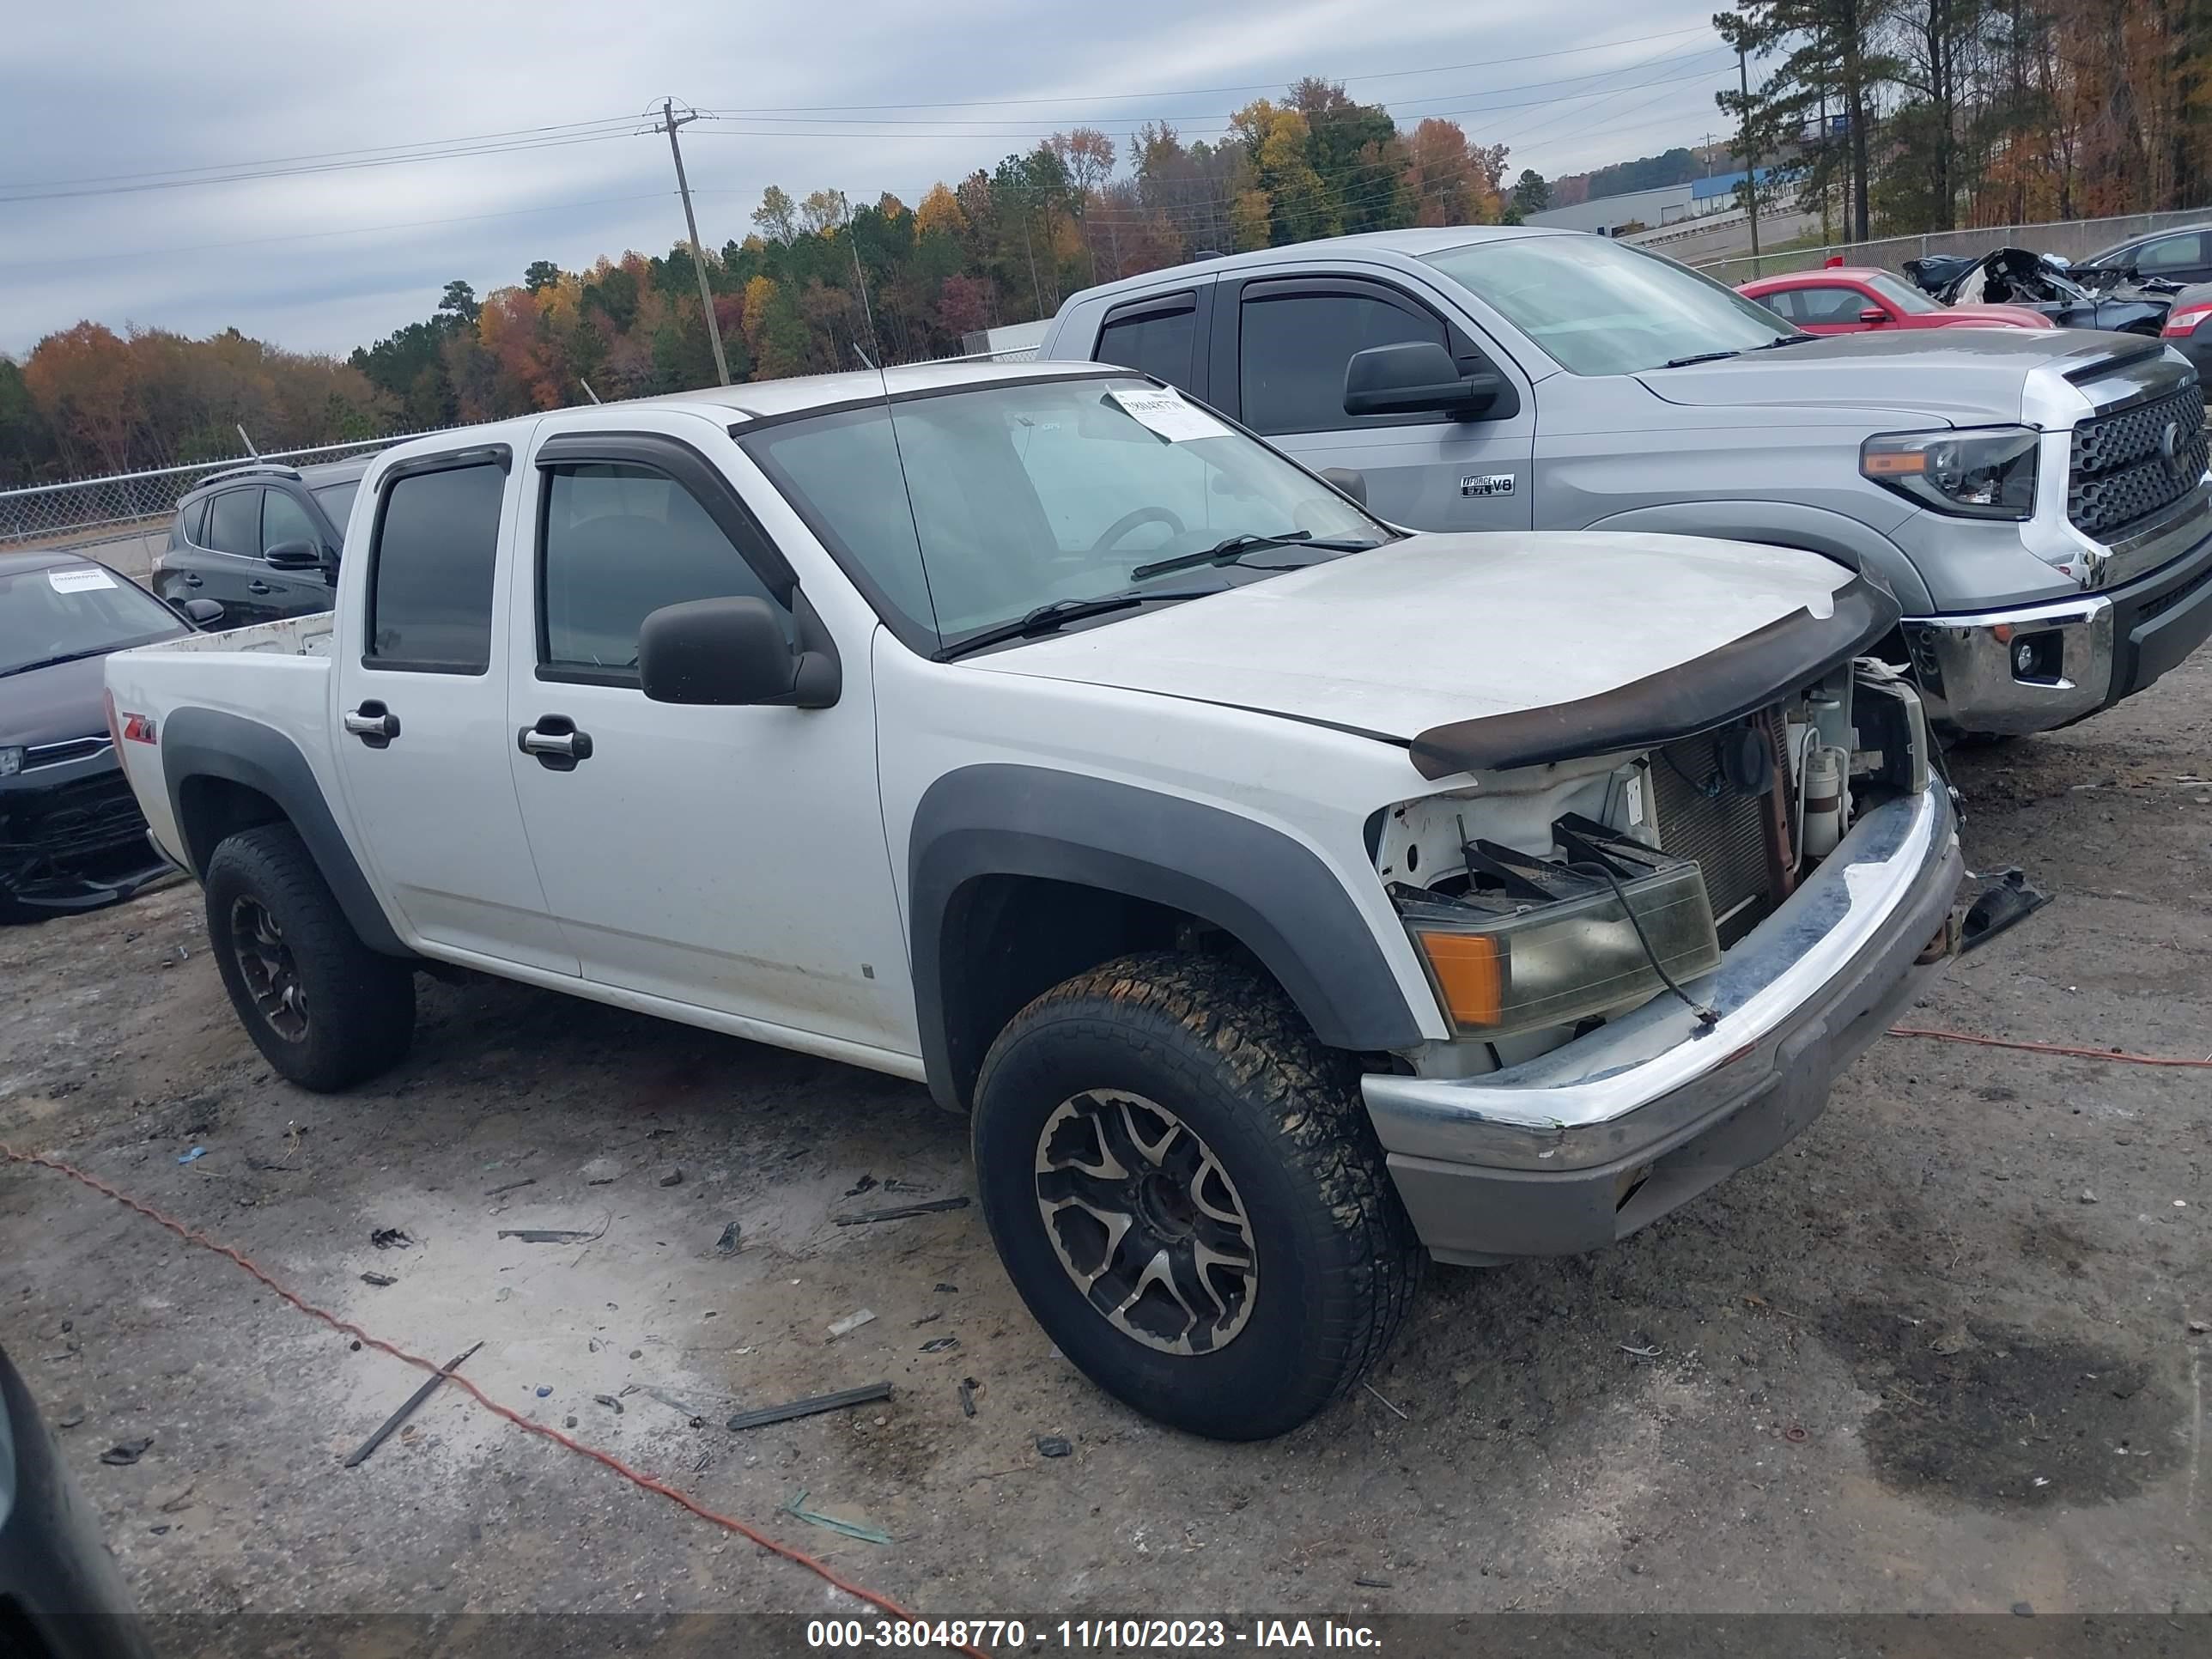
(2069, 239)
(137, 505)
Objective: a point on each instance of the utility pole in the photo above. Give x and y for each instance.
(1750, 156)
(669, 123)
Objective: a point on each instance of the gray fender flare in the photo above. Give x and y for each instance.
(1788, 523)
(207, 743)
(1271, 893)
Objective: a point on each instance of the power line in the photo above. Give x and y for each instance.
(326, 154)
(1200, 92)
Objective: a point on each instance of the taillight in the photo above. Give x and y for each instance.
(2183, 322)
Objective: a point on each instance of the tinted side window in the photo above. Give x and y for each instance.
(1292, 352)
(1782, 302)
(430, 581)
(1162, 343)
(1831, 305)
(620, 543)
(2172, 253)
(234, 523)
(186, 529)
(283, 519)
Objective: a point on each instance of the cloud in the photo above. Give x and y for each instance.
(328, 259)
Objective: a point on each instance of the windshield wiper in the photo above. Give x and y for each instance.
(1698, 357)
(55, 662)
(1781, 340)
(1051, 618)
(1234, 548)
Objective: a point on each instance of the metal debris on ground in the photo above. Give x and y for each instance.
(861, 1530)
(867, 1394)
(1377, 1393)
(866, 1184)
(124, 1455)
(610, 1402)
(940, 1344)
(512, 1186)
(1054, 1445)
(729, 1243)
(967, 1396)
(2009, 900)
(1366, 1581)
(900, 1213)
(380, 1280)
(391, 1238)
(360, 1454)
(555, 1234)
(849, 1324)
(1651, 1352)
(947, 1289)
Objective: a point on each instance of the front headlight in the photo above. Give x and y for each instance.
(11, 760)
(1553, 963)
(1987, 473)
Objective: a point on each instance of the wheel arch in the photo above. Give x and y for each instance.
(1021, 877)
(226, 773)
(1820, 530)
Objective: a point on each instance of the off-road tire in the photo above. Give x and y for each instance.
(1220, 1047)
(359, 1004)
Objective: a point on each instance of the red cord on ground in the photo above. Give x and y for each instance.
(2046, 1047)
(454, 1379)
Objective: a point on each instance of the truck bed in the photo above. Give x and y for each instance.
(275, 674)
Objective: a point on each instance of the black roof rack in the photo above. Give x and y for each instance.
(253, 469)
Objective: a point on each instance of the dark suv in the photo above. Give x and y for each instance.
(262, 541)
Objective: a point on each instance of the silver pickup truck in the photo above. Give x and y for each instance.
(2037, 501)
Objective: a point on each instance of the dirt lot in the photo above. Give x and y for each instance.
(1936, 1355)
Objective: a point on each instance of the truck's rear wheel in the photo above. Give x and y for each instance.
(323, 1009)
(1186, 1190)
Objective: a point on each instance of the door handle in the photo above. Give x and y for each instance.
(193, 581)
(374, 724)
(556, 743)
(257, 585)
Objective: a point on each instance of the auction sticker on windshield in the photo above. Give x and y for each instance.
(78, 581)
(1167, 414)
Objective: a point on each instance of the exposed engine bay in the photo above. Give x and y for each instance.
(1547, 899)
(2020, 276)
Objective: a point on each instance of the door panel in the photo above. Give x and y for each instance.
(728, 857)
(288, 592)
(1294, 339)
(231, 562)
(421, 727)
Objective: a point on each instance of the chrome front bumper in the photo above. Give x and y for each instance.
(1590, 1142)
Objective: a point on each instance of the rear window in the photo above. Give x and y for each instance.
(431, 582)
(234, 523)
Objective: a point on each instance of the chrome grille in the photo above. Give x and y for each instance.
(53, 754)
(1701, 817)
(2119, 471)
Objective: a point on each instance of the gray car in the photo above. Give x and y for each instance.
(2037, 501)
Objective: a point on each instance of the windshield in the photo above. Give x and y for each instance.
(1020, 495)
(1901, 295)
(75, 610)
(336, 501)
(1601, 308)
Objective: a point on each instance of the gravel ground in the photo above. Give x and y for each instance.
(1936, 1355)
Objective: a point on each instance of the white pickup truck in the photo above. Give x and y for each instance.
(1286, 897)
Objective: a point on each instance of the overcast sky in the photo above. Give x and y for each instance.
(101, 95)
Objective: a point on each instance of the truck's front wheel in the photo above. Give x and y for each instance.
(323, 1009)
(1186, 1191)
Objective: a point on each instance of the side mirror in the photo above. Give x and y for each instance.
(1873, 315)
(293, 556)
(1350, 480)
(1417, 378)
(202, 613)
(729, 652)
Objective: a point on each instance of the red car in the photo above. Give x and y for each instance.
(1859, 299)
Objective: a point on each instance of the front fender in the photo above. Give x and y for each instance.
(1271, 893)
(1788, 523)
